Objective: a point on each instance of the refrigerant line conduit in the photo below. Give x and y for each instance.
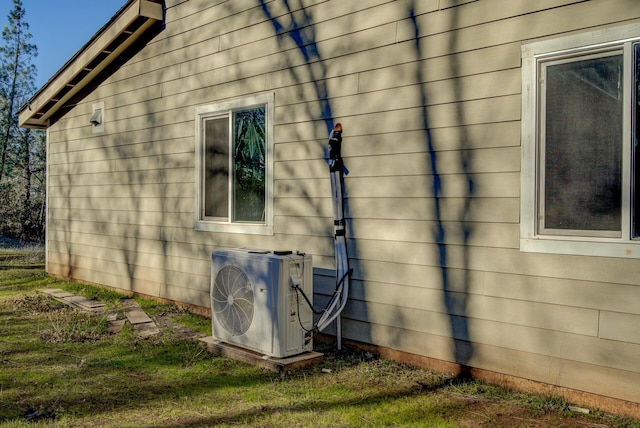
(338, 300)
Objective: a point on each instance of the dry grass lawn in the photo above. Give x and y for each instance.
(60, 367)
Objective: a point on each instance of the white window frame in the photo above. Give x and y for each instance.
(211, 110)
(533, 54)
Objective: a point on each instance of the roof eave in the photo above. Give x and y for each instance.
(128, 25)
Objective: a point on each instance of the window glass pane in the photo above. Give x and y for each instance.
(216, 164)
(635, 186)
(583, 144)
(249, 160)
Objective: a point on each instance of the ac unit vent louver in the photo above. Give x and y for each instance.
(232, 299)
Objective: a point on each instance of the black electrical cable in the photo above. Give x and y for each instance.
(307, 331)
(349, 272)
(298, 289)
(335, 293)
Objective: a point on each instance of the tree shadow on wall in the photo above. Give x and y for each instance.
(300, 30)
(455, 281)
(297, 25)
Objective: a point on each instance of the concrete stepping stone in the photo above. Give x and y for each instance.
(141, 322)
(146, 329)
(74, 300)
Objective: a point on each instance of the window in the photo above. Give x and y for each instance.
(234, 166)
(580, 183)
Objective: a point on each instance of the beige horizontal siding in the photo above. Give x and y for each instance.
(121, 203)
(475, 110)
(180, 243)
(484, 234)
(174, 242)
(414, 209)
(126, 165)
(620, 327)
(554, 343)
(374, 233)
(162, 134)
(453, 186)
(176, 190)
(143, 265)
(131, 217)
(503, 134)
(565, 319)
(389, 165)
(600, 380)
(217, 73)
(586, 293)
(118, 150)
(497, 210)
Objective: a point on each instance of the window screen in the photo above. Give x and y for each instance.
(581, 146)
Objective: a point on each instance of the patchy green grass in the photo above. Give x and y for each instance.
(59, 367)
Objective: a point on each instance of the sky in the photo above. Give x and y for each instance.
(60, 28)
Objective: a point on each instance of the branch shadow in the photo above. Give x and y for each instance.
(297, 25)
(455, 287)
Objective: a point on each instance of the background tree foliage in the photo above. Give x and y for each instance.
(22, 151)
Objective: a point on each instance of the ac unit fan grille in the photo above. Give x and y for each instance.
(233, 300)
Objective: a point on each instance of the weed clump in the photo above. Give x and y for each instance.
(36, 304)
(65, 327)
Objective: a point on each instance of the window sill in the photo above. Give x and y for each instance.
(582, 247)
(246, 229)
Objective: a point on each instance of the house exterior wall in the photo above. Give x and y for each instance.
(439, 277)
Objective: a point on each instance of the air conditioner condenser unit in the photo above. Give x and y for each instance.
(256, 300)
